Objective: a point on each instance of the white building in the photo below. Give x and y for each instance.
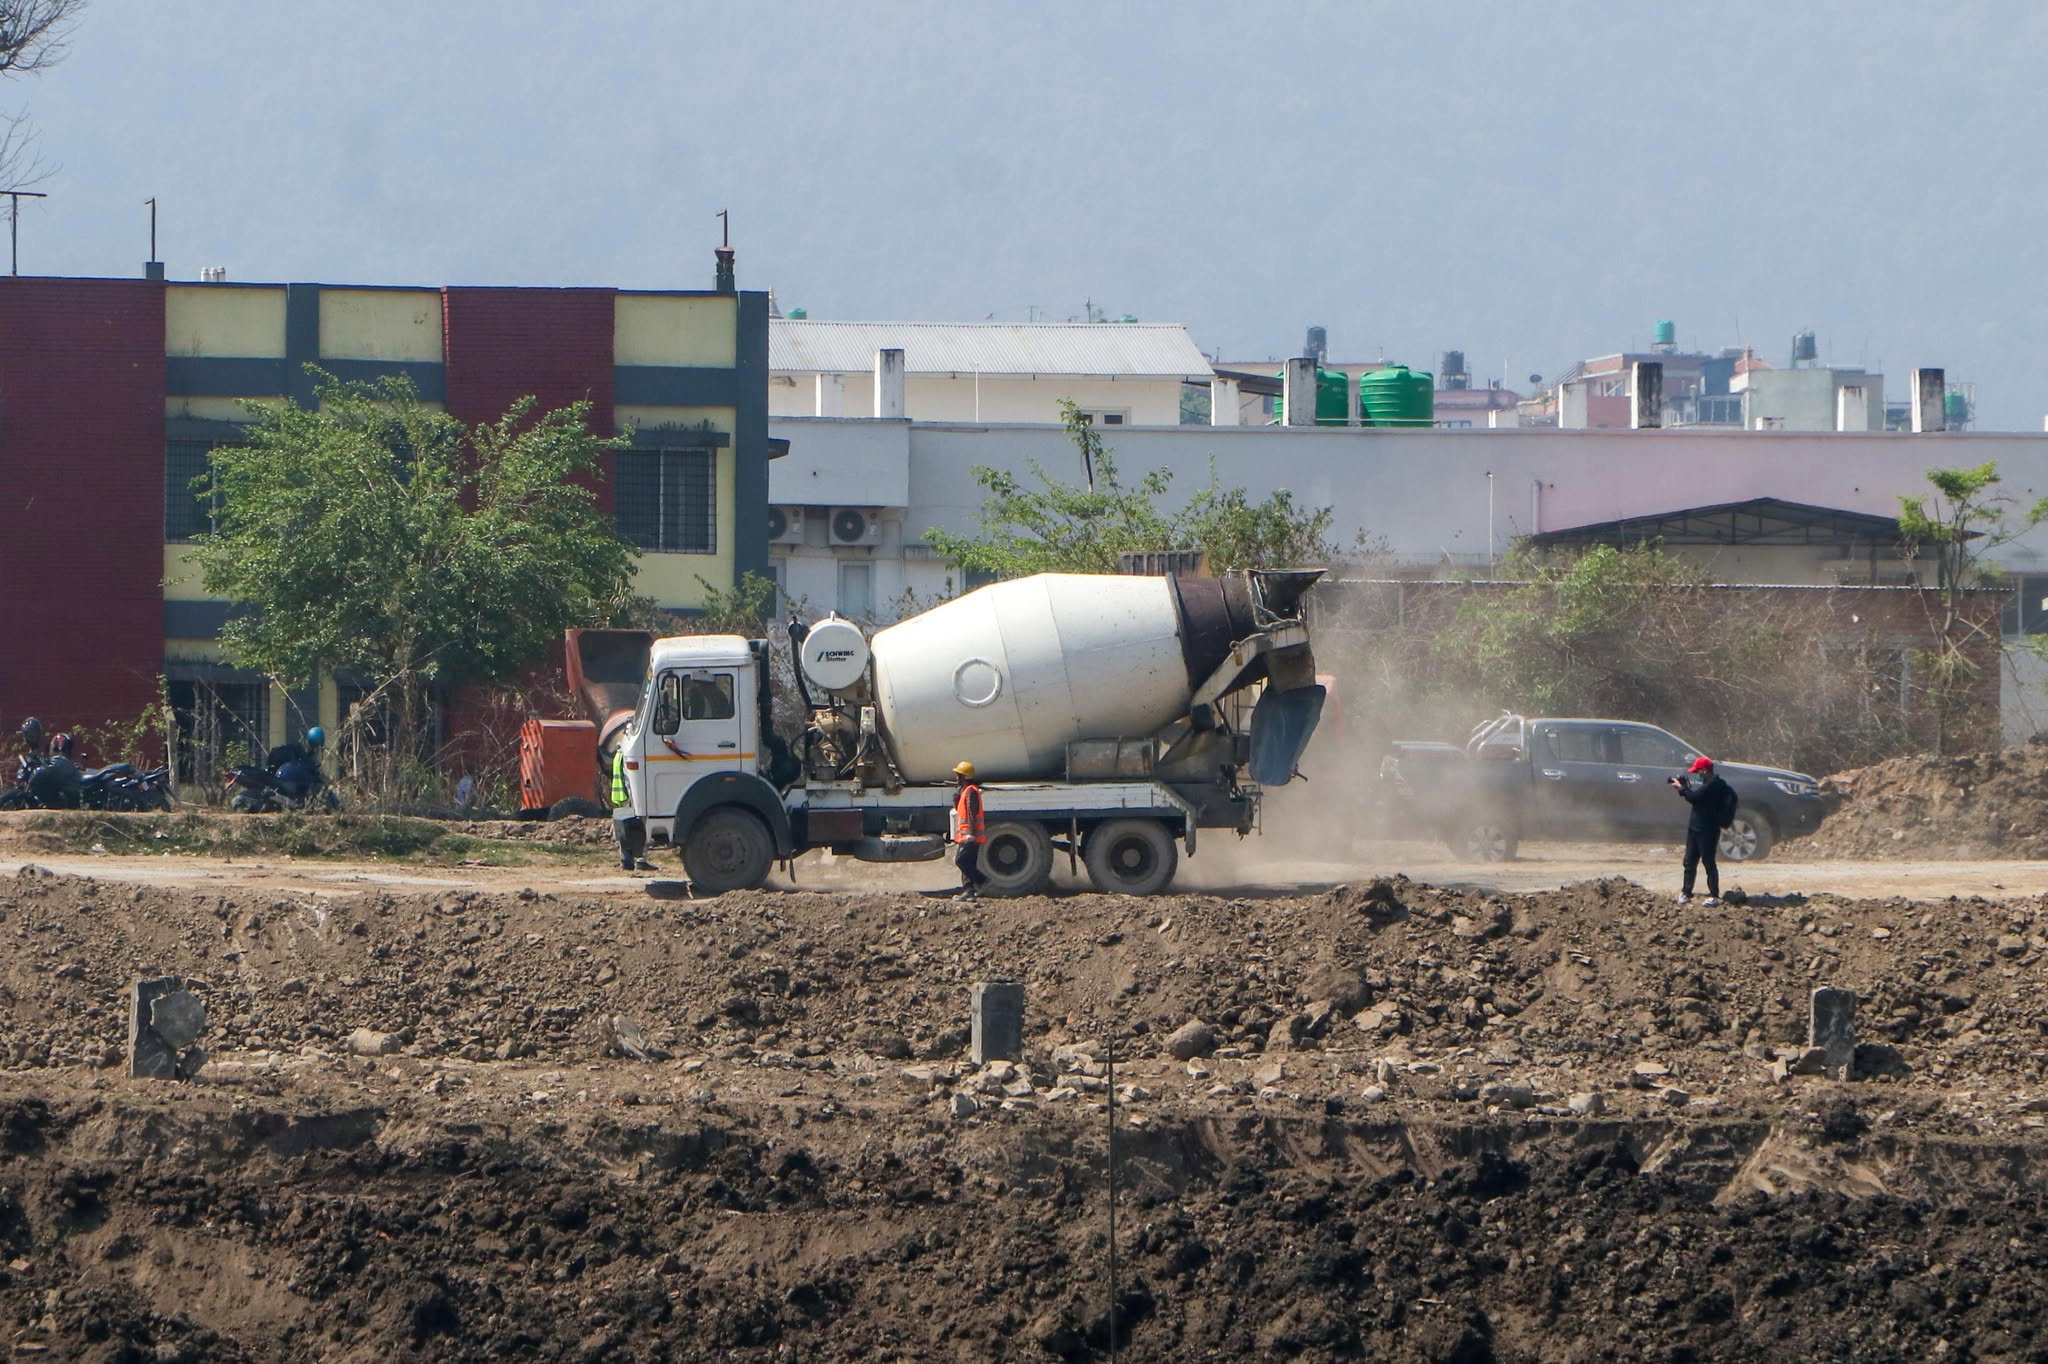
(1125, 373)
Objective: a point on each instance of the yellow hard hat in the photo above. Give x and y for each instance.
(964, 769)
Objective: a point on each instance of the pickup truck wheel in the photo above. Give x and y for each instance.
(1484, 840)
(1130, 857)
(1017, 858)
(728, 849)
(1749, 839)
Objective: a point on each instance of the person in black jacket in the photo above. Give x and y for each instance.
(1713, 808)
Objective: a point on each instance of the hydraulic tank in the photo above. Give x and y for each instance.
(1007, 676)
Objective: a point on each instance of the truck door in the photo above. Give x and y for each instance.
(699, 726)
(1653, 757)
(1577, 794)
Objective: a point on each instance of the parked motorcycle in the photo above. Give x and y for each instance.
(39, 785)
(274, 789)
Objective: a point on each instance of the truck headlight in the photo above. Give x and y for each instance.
(1792, 787)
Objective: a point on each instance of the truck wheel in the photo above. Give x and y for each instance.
(577, 807)
(1017, 858)
(1486, 839)
(728, 849)
(1748, 839)
(1130, 857)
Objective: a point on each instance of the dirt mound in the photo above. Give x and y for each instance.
(348, 836)
(1983, 805)
(1383, 1145)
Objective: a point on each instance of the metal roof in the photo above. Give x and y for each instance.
(1759, 521)
(1156, 350)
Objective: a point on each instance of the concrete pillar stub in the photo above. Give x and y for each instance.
(1831, 1026)
(1298, 391)
(997, 1022)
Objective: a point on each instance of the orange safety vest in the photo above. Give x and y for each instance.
(967, 822)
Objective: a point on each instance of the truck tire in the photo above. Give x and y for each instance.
(572, 807)
(1017, 858)
(1130, 857)
(728, 849)
(1484, 839)
(1749, 839)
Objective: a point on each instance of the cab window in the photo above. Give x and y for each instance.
(1577, 743)
(668, 704)
(1652, 748)
(708, 697)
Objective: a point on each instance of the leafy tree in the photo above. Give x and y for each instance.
(1962, 521)
(1058, 527)
(376, 535)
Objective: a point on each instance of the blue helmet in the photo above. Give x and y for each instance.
(316, 736)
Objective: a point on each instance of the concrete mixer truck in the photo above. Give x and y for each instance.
(1110, 719)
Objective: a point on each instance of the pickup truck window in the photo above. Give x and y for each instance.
(1577, 744)
(1652, 748)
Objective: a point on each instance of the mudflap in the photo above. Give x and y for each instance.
(1282, 724)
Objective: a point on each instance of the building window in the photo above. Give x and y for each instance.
(666, 500)
(221, 725)
(1100, 417)
(2026, 609)
(856, 589)
(189, 511)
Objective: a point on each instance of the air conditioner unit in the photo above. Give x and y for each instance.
(785, 525)
(855, 526)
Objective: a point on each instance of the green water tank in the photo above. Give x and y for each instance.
(1333, 398)
(1664, 334)
(1397, 396)
(1956, 408)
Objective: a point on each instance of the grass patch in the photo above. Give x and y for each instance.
(339, 837)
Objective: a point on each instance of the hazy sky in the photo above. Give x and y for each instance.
(1530, 182)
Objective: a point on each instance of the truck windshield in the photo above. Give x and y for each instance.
(701, 696)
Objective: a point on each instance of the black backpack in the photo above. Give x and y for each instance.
(1728, 807)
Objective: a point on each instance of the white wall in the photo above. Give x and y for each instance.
(990, 398)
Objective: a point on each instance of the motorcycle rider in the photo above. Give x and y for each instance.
(57, 783)
(298, 776)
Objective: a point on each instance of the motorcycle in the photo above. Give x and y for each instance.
(117, 786)
(254, 790)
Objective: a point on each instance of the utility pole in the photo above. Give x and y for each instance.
(15, 196)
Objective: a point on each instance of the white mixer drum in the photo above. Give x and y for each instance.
(1008, 676)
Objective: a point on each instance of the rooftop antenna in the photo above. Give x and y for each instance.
(15, 196)
(726, 284)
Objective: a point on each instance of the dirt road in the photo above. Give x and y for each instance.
(1217, 870)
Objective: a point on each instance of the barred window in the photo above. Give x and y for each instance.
(666, 500)
(189, 512)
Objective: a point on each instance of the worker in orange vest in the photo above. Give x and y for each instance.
(970, 830)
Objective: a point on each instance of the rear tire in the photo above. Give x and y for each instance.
(1130, 857)
(1017, 859)
(577, 807)
(1749, 839)
(728, 849)
(1486, 839)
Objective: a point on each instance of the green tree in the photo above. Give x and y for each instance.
(1061, 527)
(1963, 520)
(376, 535)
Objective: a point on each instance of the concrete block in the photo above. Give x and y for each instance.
(149, 1056)
(178, 1018)
(997, 1024)
(1831, 1026)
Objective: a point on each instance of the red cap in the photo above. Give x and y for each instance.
(1701, 764)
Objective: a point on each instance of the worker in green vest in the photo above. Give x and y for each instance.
(626, 822)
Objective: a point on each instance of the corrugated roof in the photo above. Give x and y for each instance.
(1136, 349)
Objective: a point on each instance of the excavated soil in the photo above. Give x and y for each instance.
(1388, 1153)
(1973, 806)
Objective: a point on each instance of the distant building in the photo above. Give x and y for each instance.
(1121, 373)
